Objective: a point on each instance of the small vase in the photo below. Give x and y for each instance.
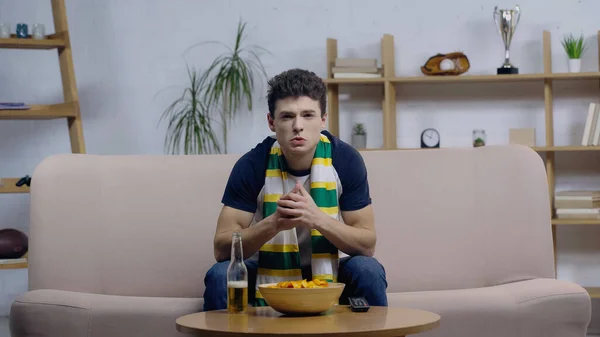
(574, 65)
(359, 141)
(22, 31)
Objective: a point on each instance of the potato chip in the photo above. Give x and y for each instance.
(302, 284)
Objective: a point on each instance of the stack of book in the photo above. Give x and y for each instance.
(591, 131)
(577, 204)
(356, 68)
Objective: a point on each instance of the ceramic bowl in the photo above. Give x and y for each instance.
(301, 301)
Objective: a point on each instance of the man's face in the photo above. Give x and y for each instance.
(297, 124)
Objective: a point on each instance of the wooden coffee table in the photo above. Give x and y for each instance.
(338, 321)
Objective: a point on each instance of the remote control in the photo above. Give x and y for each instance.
(359, 304)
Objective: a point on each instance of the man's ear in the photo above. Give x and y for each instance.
(323, 120)
(271, 122)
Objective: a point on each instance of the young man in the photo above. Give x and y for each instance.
(298, 198)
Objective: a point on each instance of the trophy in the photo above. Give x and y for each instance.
(506, 21)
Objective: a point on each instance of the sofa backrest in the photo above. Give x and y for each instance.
(461, 217)
(143, 225)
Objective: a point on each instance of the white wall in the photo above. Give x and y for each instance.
(126, 52)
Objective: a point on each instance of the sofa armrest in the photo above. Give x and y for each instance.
(50, 313)
(561, 306)
(54, 313)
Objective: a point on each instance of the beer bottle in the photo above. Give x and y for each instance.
(237, 278)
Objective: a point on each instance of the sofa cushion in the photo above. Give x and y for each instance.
(43, 313)
(530, 308)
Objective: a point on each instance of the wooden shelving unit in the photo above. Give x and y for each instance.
(69, 109)
(389, 81)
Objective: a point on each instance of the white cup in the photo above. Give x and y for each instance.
(4, 30)
(38, 31)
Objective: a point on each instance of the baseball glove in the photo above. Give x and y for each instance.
(432, 66)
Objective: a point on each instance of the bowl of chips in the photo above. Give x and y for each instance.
(302, 297)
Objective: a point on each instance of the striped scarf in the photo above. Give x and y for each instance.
(279, 258)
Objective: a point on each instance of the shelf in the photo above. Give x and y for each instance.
(535, 148)
(62, 110)
(574, 76)
(497, 78)
(8, 185)
(565, 148)
(371, 149)
(355, 81)
(593, 291)
(53, 41)
(13, 264)
(575, 221)
(467, 78)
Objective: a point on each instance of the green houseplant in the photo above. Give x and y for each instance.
(229, 80)
(214, 94)
(359, 136)
(189, 121)
(574, 47)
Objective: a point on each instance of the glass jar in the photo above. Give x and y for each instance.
(479, 137)
(4, 30)
(38, 31)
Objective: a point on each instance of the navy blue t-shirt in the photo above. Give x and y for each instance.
(247, 177)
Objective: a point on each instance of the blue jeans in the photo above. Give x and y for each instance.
(363, 276)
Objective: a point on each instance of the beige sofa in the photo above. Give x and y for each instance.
(120, 244)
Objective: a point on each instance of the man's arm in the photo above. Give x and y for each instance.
(253, 237)
(356, 236)
(240, 203)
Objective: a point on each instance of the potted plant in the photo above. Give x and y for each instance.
(217, 92)
(574, 47)
(479, 138)
(189, 120)
(359, 136)
(230, 79)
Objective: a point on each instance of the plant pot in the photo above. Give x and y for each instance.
(359, 141)
(574, 65)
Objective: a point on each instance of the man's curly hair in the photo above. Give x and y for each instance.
(296, 83)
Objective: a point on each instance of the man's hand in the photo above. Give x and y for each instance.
(355, 235)
(298, 208)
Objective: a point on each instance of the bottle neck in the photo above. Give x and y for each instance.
(236, 247)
